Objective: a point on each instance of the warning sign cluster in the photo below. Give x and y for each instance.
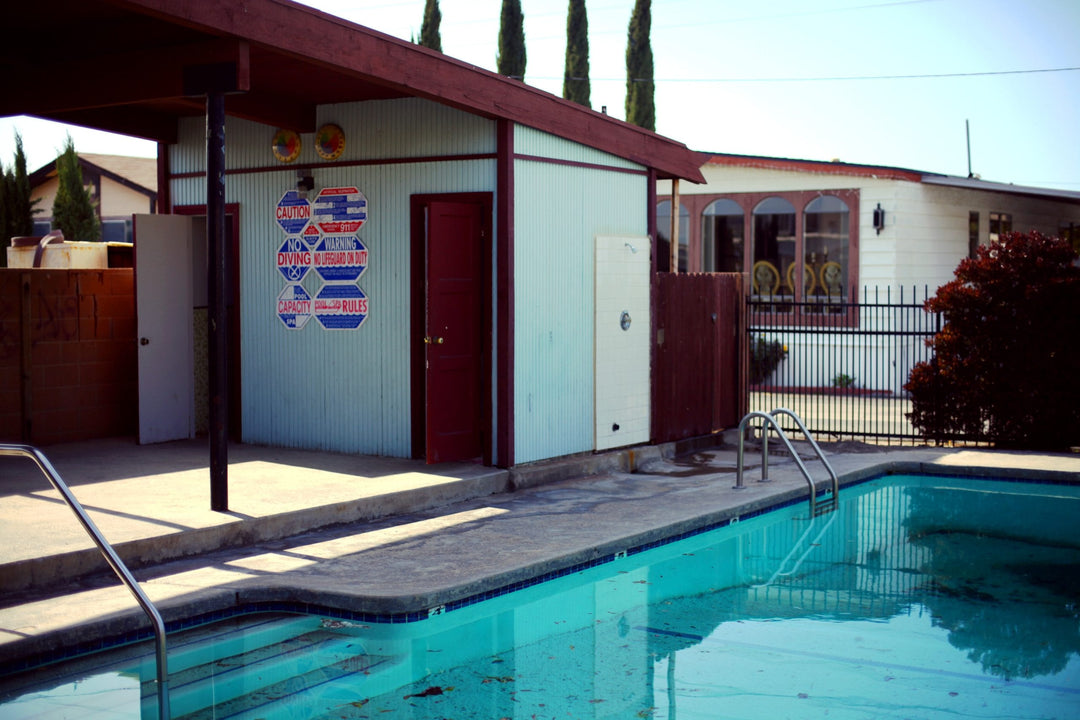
(322, 240)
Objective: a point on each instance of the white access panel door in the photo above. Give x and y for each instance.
(621, 341)
(163, 308)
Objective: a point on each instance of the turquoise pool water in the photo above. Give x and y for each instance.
(920, 597)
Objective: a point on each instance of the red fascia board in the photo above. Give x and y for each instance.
(813, 166)
(341, 46)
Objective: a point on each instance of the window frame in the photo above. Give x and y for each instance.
(707, 240)
(1000, 223)
(800, 199)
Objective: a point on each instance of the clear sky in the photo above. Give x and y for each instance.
(880, 82)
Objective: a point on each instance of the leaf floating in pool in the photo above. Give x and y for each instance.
(803, 696)
(953, 694)
(497, 678)
(433, 690)
(647, 712)
(596, 700)
(360, 703)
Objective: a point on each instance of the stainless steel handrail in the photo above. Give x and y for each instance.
(114, 561)
(770, 419)
(813, 443)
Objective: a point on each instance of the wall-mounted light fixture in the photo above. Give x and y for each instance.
(305, 182)
(879, 218)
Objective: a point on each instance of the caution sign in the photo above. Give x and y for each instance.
(294, 306)
(341, 306)
(294, 259)
(293, 212)
(340, 258)
(339, 210)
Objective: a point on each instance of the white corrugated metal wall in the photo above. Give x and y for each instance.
(345, 391)
(557, 216)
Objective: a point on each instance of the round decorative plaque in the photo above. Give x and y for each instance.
(329, 142)
(286, 145)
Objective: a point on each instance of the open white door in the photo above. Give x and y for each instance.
(163, 307)
(621, 337)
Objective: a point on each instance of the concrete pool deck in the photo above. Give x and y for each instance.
(366, 535)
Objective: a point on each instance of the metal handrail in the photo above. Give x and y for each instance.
(770, 419)
(114, 561)
(813, 443)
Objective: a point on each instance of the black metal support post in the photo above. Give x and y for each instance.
(217, 315)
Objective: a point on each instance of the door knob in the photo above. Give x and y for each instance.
(429, 340)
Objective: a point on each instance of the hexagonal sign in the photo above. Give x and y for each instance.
(339, 210)
(311, 235)
(294, 306)
(294, 259)
(340, 258)
(341, 306)
(293, 212)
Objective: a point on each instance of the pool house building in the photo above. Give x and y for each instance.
(404, 254)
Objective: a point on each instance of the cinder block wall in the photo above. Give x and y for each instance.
(68, 356)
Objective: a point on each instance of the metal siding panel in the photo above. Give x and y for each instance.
(528, 141)
(558, 212)
(345, 391)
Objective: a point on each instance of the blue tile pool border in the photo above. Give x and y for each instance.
(285, 606)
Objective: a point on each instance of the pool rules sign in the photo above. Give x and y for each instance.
(321, 243)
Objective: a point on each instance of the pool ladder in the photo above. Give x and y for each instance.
(817, 507)
(114, 561)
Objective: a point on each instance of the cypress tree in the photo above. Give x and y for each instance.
(73, 211)
(7, 181)
(16, 208)
(576, 75)
(429, 30)
(640, 109)
(511, 58)
(21, 208)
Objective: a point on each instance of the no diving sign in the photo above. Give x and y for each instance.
(341, 306)
(293, 259)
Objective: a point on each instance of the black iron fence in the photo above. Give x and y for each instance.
(840, 364)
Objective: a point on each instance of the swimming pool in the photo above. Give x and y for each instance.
(919, 597)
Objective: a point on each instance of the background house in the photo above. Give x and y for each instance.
(822, 233)
(883, 226)
(120, 186)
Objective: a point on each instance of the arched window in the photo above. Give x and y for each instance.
(826, 239)
(722, 237)
(774, 247)
(663, 236)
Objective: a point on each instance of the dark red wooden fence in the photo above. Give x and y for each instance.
(698, 344)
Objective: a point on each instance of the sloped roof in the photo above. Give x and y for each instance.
(139, 170)
(835, 167)
(137, 173)
(150, 61)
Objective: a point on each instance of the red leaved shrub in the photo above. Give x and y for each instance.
(1006, 364)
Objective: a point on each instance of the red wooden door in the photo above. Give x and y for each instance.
(453, 332)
